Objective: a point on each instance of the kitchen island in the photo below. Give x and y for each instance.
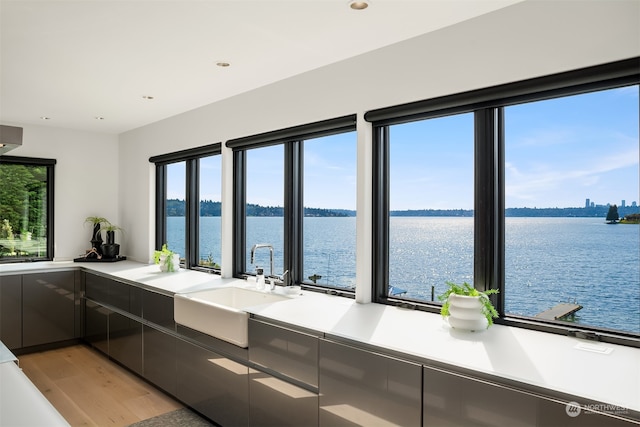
(21, 403)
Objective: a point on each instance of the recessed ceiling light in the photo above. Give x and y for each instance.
(45, 118)
(358, 5)
(222, 64)
(149, 97)
(99, 118)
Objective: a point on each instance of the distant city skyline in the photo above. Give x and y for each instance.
(623, 203)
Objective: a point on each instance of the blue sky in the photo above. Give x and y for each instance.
(558, 153)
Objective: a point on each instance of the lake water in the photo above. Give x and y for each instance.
(548, 260)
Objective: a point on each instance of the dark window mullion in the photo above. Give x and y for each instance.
(486, 205)
(293, 209)
(161, 205)
(499, 300)
(192, 212)
(380, 241)
(239, 211)
(50, 211)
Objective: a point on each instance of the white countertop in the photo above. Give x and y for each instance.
(21, 403)
(606, 373)
(146, 275)
(5, 354)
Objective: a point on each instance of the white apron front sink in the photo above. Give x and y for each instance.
(221, 312)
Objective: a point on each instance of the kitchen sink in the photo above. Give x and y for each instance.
(221, 312)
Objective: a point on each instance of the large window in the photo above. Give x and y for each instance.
(329, 229)
(188, 205)
(555, 200)
(568, 161)
(430, 205)
(210, 200)
(265, 209)
(294, 193)
(175, 208)
(26, 209)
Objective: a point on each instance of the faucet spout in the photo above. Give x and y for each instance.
(263, 245)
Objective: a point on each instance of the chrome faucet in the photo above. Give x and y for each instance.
(280, 280)
(264, 245)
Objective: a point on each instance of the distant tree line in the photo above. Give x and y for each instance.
(176, 207)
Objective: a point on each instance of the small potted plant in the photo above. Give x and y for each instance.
(111, 249)
(168, 260)
(96, 235)
(467, 308)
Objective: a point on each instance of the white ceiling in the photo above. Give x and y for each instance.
(74, 61)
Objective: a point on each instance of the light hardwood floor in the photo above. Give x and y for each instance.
(90, 390)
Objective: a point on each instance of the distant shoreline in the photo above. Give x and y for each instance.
(209, 208)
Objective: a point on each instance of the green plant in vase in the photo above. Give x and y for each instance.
(462, 302)
(96, 235)
(166, 258)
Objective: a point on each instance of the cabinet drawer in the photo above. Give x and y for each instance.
(289, 352)
(455, 399)
(212, 384)
(360, 387)
(111, 292)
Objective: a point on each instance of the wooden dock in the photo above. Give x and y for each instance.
(560, 311)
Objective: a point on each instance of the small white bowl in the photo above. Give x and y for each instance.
(291, 290)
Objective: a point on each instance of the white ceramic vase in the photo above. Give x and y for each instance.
(465, 313)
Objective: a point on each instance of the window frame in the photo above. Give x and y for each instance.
(191, 157)
(50, 199)
(293, 141)
(489, 180)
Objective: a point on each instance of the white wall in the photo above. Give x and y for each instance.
(86, 181)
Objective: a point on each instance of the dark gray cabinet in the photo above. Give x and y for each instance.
(213, 385)
(159, 358)
(125, 341)
(285, 392)
(96, 325)
(130, 325)
(159, 354)
(116, 334)
(277, 403)
(48, 307)
(11, 311)
(453, 399)
(158, 309)
(360, 387)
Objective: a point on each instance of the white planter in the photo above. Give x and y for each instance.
(164, 264)
(465, 313)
